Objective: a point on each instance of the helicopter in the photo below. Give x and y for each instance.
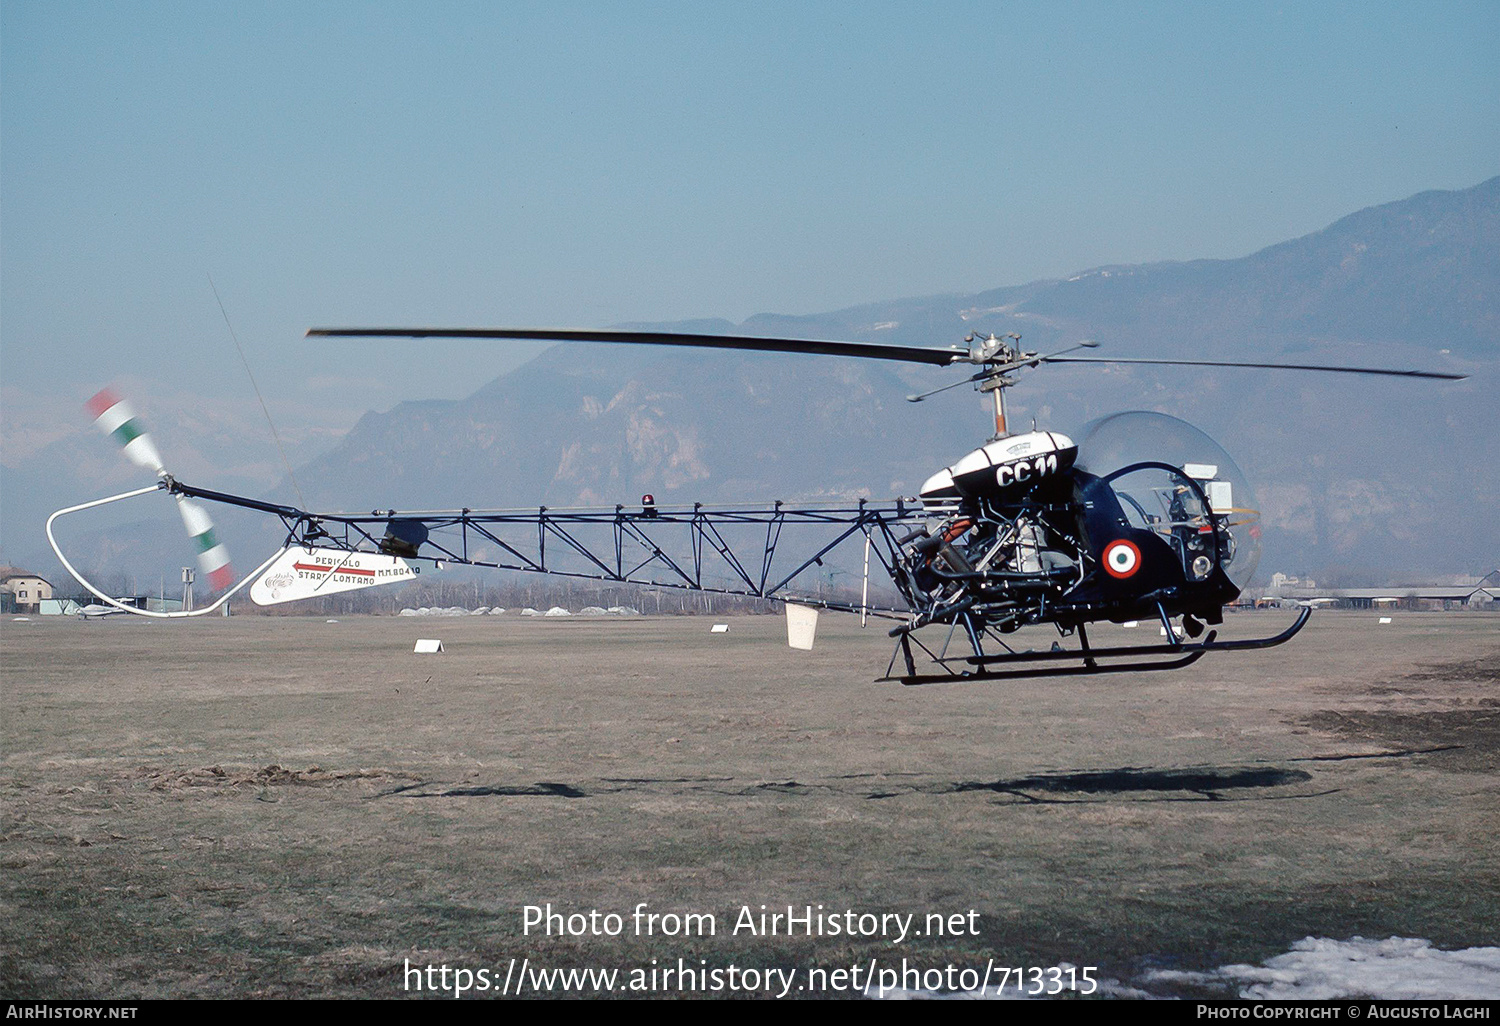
(1143, 518)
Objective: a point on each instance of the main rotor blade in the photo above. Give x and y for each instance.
(867, 350)
(1262, 366)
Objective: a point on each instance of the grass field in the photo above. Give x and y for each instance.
(286, 806)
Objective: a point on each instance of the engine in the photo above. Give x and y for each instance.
(999, 537)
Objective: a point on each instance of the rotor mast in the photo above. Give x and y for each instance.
(1000, 355)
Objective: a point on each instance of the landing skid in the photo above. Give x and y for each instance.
(976, 668)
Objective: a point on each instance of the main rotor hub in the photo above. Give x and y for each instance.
(994, 349)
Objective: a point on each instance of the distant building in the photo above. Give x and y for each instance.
(22, 591)
(1421, 597)
(1459, 591)
(1280, 582)
(1488, 590)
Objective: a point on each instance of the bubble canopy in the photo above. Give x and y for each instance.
(1112, 445)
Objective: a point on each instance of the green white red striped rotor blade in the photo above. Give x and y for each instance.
(117, 419)
(213, 558)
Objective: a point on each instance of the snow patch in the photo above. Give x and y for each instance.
(1396, 969)
(1315, 969)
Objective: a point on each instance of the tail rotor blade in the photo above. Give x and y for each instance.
(213, 557)
(116, 418)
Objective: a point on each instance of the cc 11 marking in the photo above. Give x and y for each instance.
(1024, 470)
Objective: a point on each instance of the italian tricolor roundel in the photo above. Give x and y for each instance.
(1121, 558)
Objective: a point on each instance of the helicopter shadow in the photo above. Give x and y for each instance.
(1201, 783)
(1129, 783)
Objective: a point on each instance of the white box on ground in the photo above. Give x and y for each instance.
(428, 645)
(719, 628)
(801, 626)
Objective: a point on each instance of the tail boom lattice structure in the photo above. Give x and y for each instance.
(729, 550)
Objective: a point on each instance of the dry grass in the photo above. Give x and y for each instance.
(292, 807)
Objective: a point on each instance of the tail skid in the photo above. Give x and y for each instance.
(105, 598)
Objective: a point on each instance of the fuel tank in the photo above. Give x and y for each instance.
(1003, 469)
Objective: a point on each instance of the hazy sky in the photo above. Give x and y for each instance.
(585, 164)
